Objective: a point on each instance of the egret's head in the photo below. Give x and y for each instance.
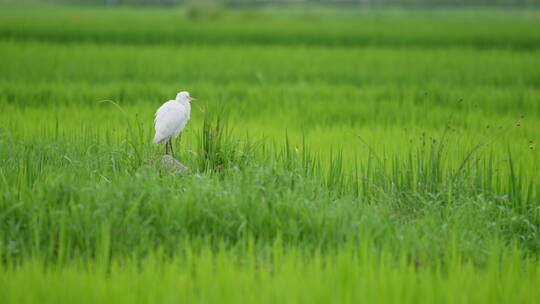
(184, 97)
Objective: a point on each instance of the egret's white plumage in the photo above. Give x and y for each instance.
(172, 117)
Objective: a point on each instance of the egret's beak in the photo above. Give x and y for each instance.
(192, 99)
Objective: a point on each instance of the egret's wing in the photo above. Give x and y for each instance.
(169, 117)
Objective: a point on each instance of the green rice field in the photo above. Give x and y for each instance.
(336, 155)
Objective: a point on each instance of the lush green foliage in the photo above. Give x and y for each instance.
(220, 4)
(396, 29)
(333, 157)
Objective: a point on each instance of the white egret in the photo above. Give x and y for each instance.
(171, 118)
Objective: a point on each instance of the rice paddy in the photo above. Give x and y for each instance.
(336, 156)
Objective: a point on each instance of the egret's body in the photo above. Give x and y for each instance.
(171, 119)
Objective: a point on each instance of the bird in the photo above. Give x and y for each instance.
(171, 119)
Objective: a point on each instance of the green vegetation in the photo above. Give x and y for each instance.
(386, 156)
